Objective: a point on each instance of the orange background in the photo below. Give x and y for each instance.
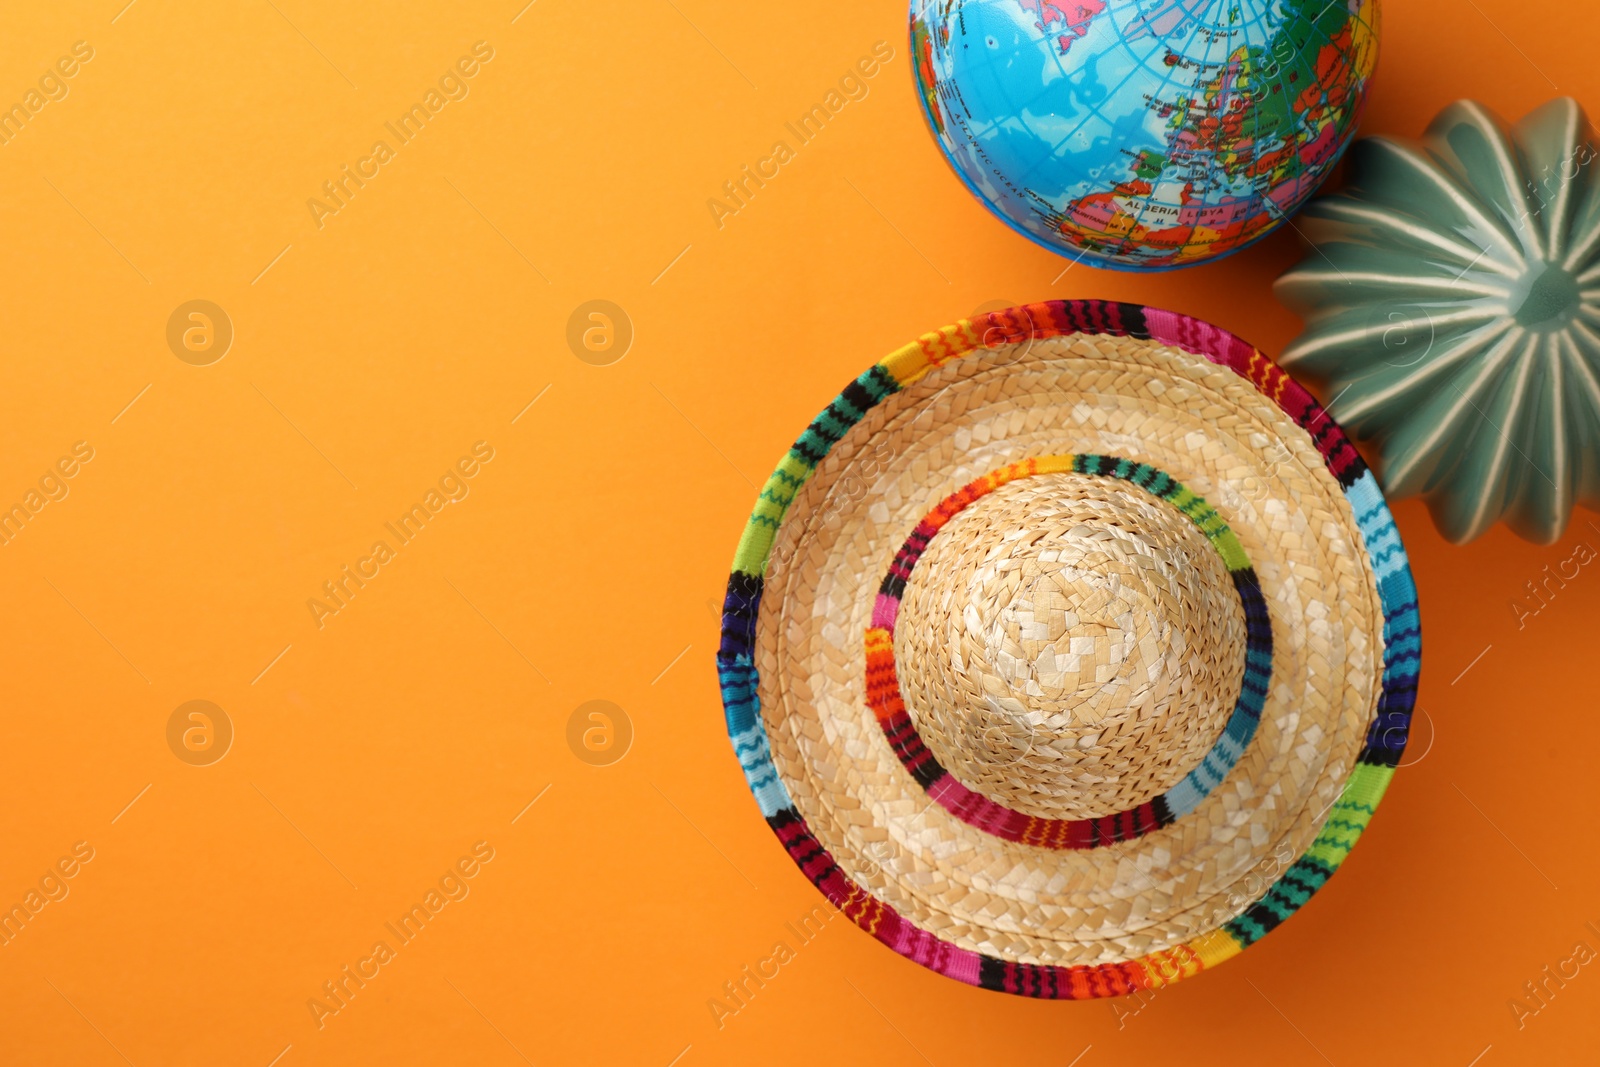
(591, 552)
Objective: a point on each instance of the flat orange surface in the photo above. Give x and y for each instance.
(392, 748)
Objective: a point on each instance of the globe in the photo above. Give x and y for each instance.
(1143, 134)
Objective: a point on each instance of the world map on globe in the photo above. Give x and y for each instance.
(1143, 134)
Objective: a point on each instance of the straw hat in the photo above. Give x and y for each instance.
(1069, 650)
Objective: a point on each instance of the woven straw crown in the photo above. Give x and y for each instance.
(1070, 650)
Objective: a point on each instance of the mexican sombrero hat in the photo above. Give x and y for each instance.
(1070, 649)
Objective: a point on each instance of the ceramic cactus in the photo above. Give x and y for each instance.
(1452, 306)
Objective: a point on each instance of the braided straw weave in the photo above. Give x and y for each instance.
(1069, 651)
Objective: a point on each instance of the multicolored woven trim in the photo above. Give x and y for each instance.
(975, 809)
(1347, 818)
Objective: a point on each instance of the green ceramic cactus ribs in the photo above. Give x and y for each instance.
(1452, 307)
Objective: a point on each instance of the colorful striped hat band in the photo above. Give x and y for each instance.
(1070, 649)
